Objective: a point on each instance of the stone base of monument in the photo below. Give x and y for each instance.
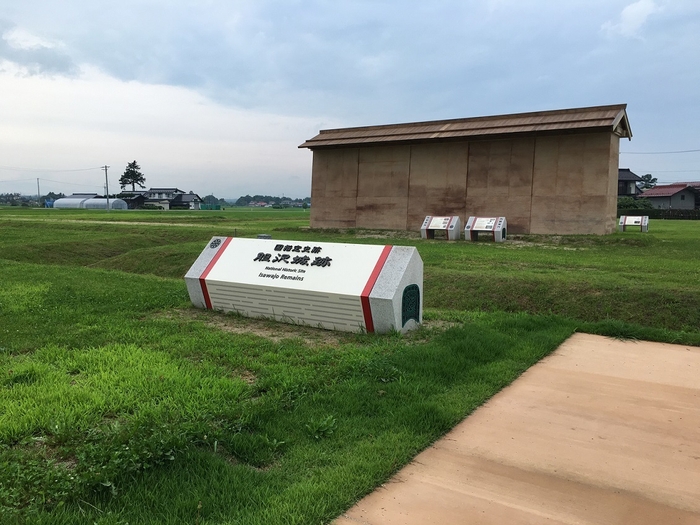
(628, 221)
(452, 226)
(495, 228)
(348, 287)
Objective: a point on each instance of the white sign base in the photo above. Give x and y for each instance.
(628, 221)
(451, 225)
(347, 287)
(494, 227)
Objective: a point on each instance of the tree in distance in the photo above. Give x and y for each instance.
(132, 176)
(211, 199)
(647, 182)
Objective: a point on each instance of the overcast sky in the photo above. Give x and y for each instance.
(215, 96)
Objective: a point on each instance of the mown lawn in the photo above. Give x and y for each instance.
(122, 404)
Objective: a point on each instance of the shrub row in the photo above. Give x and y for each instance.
(663, 214)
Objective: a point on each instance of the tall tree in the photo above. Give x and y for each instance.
(132, 176)
(647, 182)
(210, 199)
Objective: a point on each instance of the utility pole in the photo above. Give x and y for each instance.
(105, 167)
(38, 192)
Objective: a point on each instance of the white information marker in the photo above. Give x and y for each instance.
(641, 222)
(451, 225)
(349, 287)
(496, 227)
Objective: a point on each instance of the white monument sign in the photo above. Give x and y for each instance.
(451, 225)
(641, 222)
(350, 287)
(495, 227)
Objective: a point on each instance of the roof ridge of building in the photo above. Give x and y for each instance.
(611, 117)
(528, 114)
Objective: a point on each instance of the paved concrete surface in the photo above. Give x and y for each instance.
(600, 432)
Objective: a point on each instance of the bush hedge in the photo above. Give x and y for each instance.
(663, 214)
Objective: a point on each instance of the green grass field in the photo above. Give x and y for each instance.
(123, 404)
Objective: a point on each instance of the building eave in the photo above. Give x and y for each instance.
(612, 119)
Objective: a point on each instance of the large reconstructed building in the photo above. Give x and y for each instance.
(550, 172)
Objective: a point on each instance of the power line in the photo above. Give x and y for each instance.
(658, 152)
(50, 171)
(71, 183)
(15, 180)
(55, 181)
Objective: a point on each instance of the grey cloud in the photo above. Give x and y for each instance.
(361, 62)
(374, 61)
(35, 60)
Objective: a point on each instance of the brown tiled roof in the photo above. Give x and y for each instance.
(667, 190)
(600, 118)
(627, 174)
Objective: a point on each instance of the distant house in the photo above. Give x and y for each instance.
(186, 201)
(134, 199)
(694, 184)
(172, 198)
(677, 196)
(163, 193)
(627, 183)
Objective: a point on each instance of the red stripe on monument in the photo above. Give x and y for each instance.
(364, 298)
(210, 266)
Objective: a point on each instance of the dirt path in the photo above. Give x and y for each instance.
(601, 432)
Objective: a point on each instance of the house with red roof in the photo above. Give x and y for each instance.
(676, 196)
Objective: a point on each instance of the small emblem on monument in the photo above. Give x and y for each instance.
(410, 304)
(215, 243)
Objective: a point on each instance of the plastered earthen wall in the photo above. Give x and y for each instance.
(559, 184)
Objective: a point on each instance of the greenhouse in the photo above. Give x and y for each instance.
(90, 201)
(101, 204)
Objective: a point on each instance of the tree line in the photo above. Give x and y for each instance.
(269, 199)
(17, 199)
